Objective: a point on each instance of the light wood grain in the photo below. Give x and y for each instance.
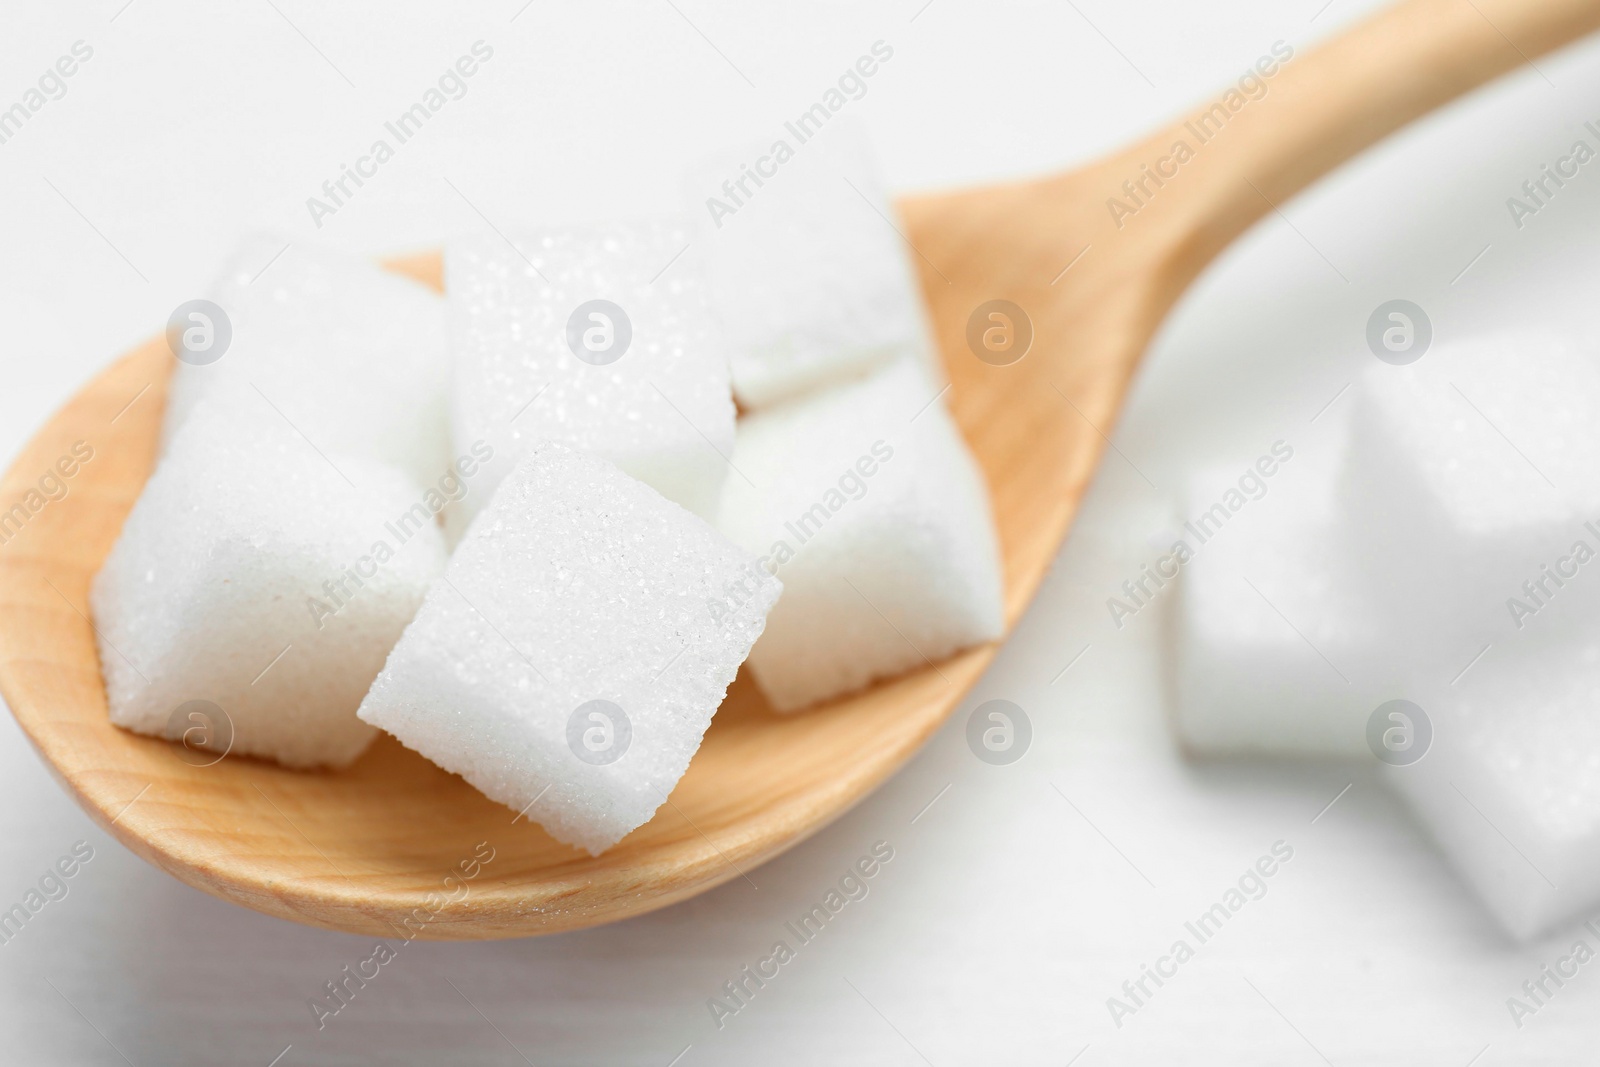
(366, 848)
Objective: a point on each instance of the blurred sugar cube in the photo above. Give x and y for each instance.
(1437, 564)
(1276, 645)
(1470, 472)
(1510, 783)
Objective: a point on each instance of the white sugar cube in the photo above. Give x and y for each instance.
(252, 575)
(1510, 786)
(352, 355)
(866, 502)
(808, 274)
(595, 338)
(570, 658)
(1277, 649)
(1472, 471)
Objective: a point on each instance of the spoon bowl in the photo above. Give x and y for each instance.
(384, 847)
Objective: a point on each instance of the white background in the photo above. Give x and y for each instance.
(1025, 895)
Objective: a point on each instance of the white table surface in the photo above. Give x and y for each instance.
(1026, 894)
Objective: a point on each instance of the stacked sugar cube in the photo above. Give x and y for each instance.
(1472, 470)
(1447, 564)
(850, 481)
(571, 401)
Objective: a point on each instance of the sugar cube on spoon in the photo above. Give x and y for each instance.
(265, 581)
(596, 337)
(866, 502)
(808, 275)
(352, 355)
(572, 654)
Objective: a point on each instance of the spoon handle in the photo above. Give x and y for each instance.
(1324, 106)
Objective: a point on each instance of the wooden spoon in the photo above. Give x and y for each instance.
(384, 847)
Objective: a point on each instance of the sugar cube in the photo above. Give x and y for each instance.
(1277, 650)
(865, 500)
(264, 579)
(1510, 783)
(594, 337)
(353, 356)
(1471, 472)
(570, 658)
(809, 276)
